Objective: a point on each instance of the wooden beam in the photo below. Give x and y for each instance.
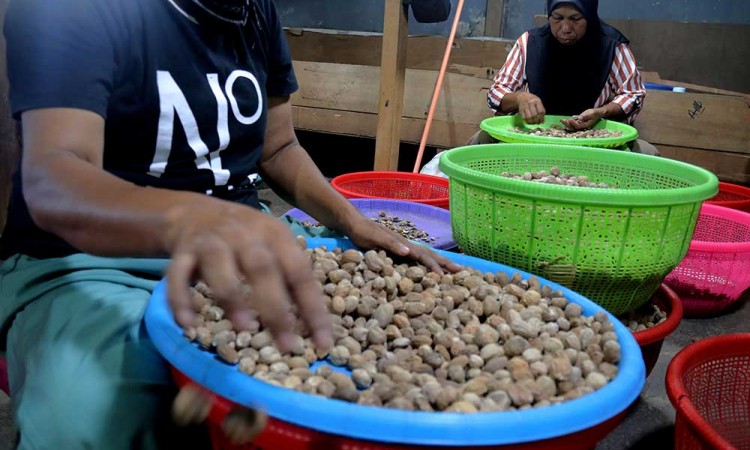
(729, 167)
(362, 124)
(494, 19)
(392, 78)
(654, 77)
(423, 52)
(349, 88)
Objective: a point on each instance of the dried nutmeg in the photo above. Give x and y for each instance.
(421, 341)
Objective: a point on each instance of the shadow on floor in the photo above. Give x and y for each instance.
(663, 438)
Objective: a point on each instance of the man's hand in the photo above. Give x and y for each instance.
(530, 108)
(583, 121)
(367, 234)
(237, 244)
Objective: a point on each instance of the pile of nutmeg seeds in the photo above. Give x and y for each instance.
(415, 340)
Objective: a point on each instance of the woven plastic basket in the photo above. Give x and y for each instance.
(501, 128)
(716, 270)
(732, 196)
(651, 340)
(614, 246)
(308, 422)
(413, 187)
(708, 383)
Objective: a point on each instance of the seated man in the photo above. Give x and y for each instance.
(576, 65)
(145, 124)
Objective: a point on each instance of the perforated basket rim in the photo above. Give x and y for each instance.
(338, 181)
(723, 212)
(718, 347)
(404, 427)
(674, 312)
(705, 183)
(734, 189)
(501, 132)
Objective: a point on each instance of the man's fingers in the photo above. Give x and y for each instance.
(243, 425)
(219, 270)
(305, 293)
(435, 262)
(178, 293)
(269, 296)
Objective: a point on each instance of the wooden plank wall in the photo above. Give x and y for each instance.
(480, 56)
(346, 103)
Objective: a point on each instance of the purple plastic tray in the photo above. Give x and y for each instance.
(431, 219)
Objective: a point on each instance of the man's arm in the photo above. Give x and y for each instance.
(288, 167)
(70, 195)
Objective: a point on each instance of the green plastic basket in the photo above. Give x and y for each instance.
(614, 246)
(501, 128)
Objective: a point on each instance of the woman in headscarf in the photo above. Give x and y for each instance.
(577, 66)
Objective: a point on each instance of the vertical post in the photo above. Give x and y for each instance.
(392, 76)
(493, 21)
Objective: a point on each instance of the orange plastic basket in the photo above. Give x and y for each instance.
(413, 187)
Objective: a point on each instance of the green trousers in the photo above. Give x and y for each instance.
(83, 372)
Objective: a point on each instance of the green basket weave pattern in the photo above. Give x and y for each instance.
(614, 246)
(501, 127)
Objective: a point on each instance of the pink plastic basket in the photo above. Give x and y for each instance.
(716, 269)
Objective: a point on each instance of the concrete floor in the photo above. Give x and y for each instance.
(650, 423)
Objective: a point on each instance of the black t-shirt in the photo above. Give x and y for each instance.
(185, 100)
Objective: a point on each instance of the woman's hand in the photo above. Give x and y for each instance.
(530, 108)
(583, 121)
(367, 234)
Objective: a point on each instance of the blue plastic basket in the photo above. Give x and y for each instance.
(397, 426)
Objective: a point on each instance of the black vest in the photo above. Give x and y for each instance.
(569, 79)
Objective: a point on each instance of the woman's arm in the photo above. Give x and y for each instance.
(627, 84)
(511, 78)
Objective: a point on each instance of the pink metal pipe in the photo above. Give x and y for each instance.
(438, 85)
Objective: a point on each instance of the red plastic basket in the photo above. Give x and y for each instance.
(708, 383)
(280, 435)
(714, 273)
(732, 196)
(651, 340)
(418, 188)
